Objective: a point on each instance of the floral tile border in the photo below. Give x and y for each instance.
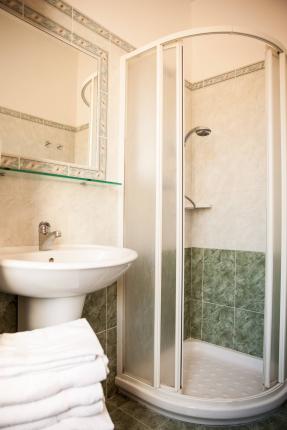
(42, 166)
(26, 13)
(9, 161)
(225, 76)
(89, 23)
(39, 120)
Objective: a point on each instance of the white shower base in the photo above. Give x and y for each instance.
(220, 386)
(213, 372)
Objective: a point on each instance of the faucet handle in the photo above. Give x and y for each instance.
(44, 227)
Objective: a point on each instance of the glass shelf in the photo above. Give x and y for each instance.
(11, 170)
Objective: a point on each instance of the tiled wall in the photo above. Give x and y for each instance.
(29, 137)
(234, 109)
(224, 298)
(100, 310)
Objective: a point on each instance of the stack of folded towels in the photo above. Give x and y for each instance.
(50, 378)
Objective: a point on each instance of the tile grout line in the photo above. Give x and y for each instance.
(231, 307)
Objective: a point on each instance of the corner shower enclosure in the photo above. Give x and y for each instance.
(202, 312)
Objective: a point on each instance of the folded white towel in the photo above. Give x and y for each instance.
(42, 349)
(51, 406)
(78, 412)
(30, 387)
(98, 422)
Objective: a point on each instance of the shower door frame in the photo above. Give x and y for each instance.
(130, 383)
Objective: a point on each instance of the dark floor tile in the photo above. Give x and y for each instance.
(180, 425)
(122, 421)
(143, 414)
(116, 401)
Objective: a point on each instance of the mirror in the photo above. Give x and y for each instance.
(49, 97)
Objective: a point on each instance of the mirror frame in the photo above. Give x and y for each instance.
(42, 21)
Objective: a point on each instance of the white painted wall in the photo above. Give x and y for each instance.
(262, 16)
(267, 16)
(138, 21)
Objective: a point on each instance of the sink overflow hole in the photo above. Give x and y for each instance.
(51, 260)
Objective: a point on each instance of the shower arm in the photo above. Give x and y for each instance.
(190, 201)
(84, 86)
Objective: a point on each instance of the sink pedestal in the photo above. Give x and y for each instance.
(41, 312)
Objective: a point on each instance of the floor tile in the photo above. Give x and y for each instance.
(116, 401)
(122, 421)
(143, 414)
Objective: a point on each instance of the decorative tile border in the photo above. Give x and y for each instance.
(39, 120)
(9, 161)
(44, 166)
(224, 76)
(26, 13)
(89, 23)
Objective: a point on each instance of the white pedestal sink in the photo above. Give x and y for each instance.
(52, 285)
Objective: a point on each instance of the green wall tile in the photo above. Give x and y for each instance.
(187, 273)
(8, 313)
(250, 280)
(112, 306)
(218, 324)
(95, 310)
(249, 331)
(196, 273)
(219, 276)
(186, 330)
(195, 318)
(112, 356)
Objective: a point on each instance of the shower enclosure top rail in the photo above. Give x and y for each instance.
(202, 31)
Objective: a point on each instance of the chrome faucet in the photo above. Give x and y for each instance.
(46, 237)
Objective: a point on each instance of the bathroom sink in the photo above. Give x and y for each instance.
(52, 285)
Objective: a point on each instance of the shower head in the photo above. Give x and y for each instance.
(199, 130)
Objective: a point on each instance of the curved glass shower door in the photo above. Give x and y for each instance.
(153, 216)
